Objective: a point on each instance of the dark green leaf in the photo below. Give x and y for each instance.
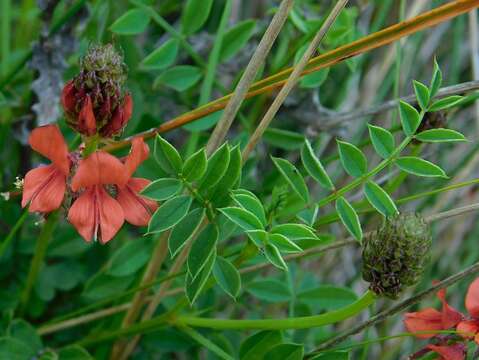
(334, 355)
(419, 167)
(379, 199)
(169, 213)
(256, 346)
(219, 194)
(293, 177)
(251, 203)
(183, 231)
(295, 231)
(410, 119)
(314, 167)
(130, 23)
(129, 258)
(285, 352)
(194, 15)
(422, 94)
(283, 243)
(436, 80)
(327, 297)
(13, 349)
(349, 218)
(236, 38)
(195, 166)
(179, 77)
(243, 218)
(103, 285)
(74, 352)
(227, 276)
(162, 189)
(201, 250)
(216, 168)
(382, 140)
(270, 290)
(315, 79)
(446, 103)
(352, 159)
(274, 256)
(194, 287)
(258, 237)
(167, 156)
(440, 135)
(26, 333)
(161, 57)
(283, 139)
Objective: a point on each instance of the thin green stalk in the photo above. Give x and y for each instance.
(304, 322)
(6, 18)
(8, 240)
(200, 339)
(38, 257)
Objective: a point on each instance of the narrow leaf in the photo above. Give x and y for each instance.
(293, 177)
(167, 156)
(422, 94)
(379, 199)
(349, 218)
(274, 257)
(195, 166)
(162, 57)
(227, 276)
(219, 194)
(216, 168)
(243, 218)
(352, 159)
(236, 38)
(179, 78)
(283, 243)
(446, 103)
(410, 119)
(419, 167)
(314, 167)
(183, 231)
(436, 80)
(258, 237)
(195, 286)
(295, 231)
(252, 204)
(440, 135)
(382, 140)
(194, 15)
(202, 249)
(287, 351)
(162, 189)
(169, 213)
(131, 23)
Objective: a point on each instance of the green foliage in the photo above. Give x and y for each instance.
(162, 57)
(179, 78)
(236, 38)
(382, 140)
(227, 276)
(132, 22)
(352, 159)
(194, 15)
(419, 167)
(293, 177)
(314, 167)
(162, 189)
(410, 118)
(379, 199)
(167, 156)
(169, 213)
(349, 218)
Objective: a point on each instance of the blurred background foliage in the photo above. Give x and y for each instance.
(166, 45)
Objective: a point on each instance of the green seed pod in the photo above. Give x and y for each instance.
(394, 256)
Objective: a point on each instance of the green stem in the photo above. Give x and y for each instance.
(304, 322)
(200, 339)
(38, 257)
(8, 240)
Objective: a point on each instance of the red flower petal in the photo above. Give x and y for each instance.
(86, 118)
(136, 208)
(44, 188)
(450, 352)
(139, 152)
(472, 298)
(100, 168)
(68, 97)
(48, 141)
(120, 118)
(95, 214)
(428, 319)
(468, 328)
(450, 316)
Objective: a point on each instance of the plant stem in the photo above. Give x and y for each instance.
(38, 257)
(200, 339)
(303, 322)
(381, 316)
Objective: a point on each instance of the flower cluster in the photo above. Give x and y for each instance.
(98, 189)
(428, 322)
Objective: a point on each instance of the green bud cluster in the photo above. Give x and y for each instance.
(394, 256)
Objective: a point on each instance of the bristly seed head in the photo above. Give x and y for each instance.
(394, 256)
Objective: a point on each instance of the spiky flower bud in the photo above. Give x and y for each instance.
(94, 102)
(394, 256)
